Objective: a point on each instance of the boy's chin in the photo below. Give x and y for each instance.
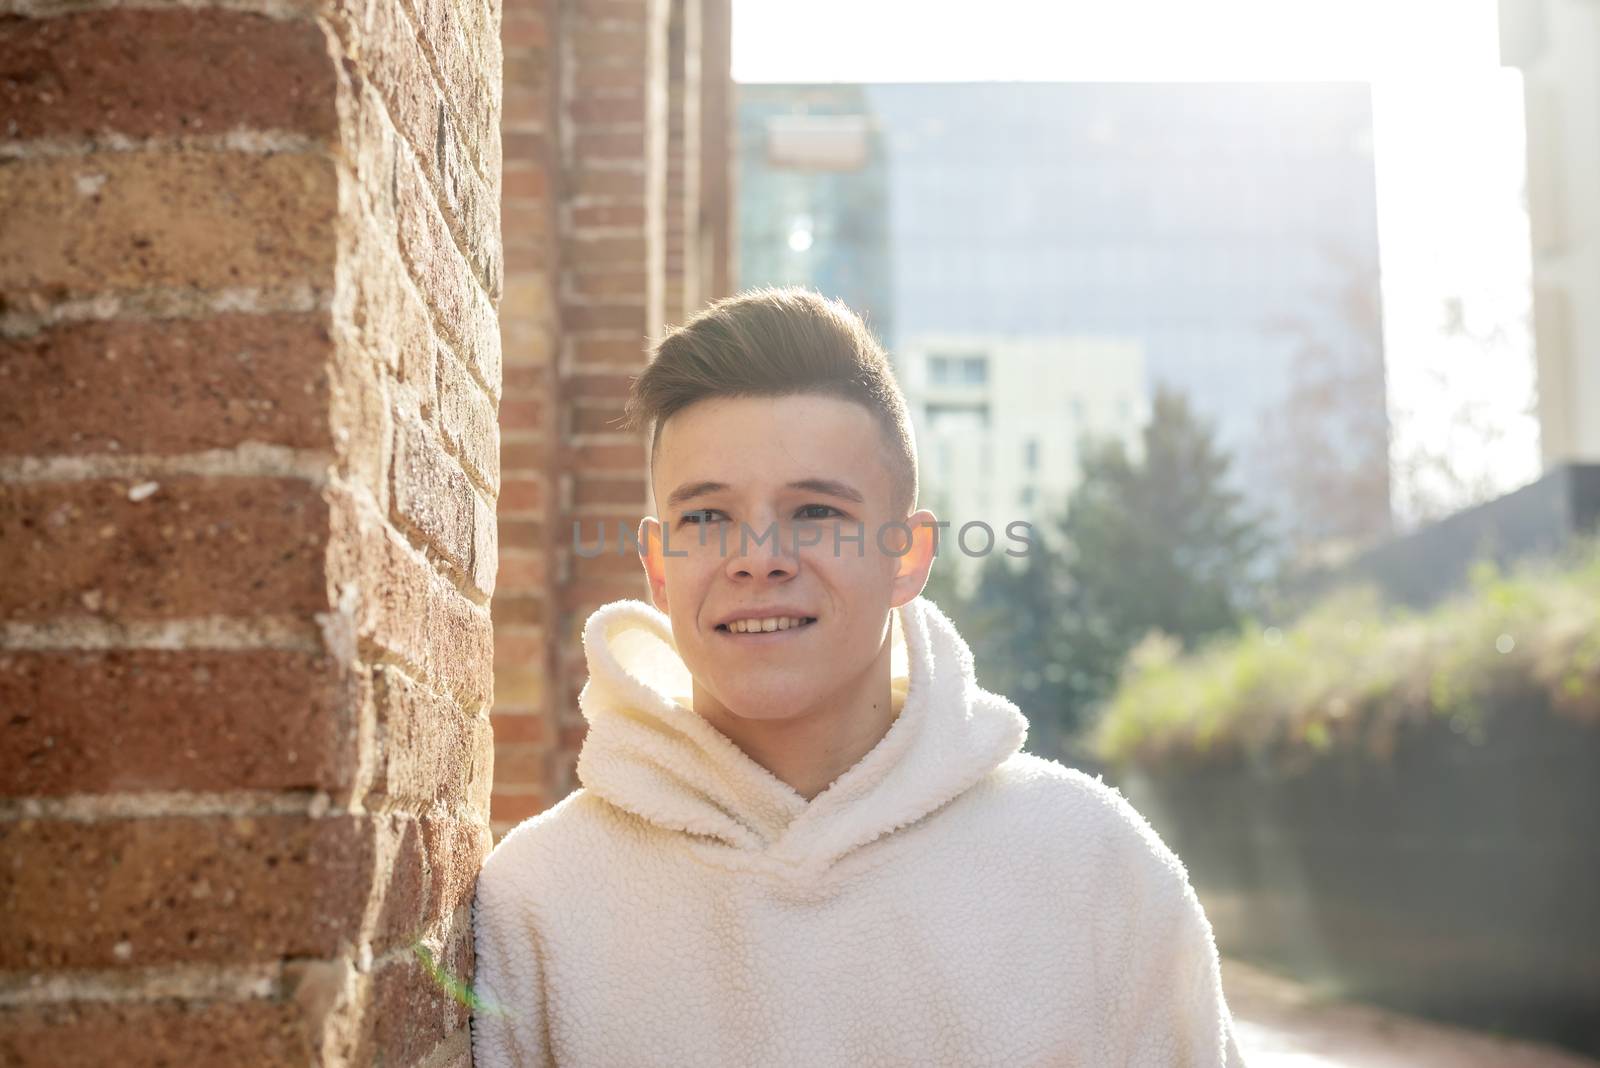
(768, 703)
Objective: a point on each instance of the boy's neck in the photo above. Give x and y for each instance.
(811, 750)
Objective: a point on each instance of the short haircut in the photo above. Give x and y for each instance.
(773, 342)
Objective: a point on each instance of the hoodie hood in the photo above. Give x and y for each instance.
(647, 751)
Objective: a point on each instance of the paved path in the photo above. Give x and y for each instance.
(1281, 1024)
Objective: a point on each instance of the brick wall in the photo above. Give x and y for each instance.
(605, 225)
(250, 373)
(291, 447)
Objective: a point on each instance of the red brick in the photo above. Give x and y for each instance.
(133, 720)
(196, 546)
(593, 181)
(429, 492)
(514, 808)
(523, 413)
(587, 420)
(608, 563)
(168, 386)
(163, 73)
(590, 488)
(462, 309)
(581, 598)
(608, 351)
(617, 317)
(524, 183)
(185, 219)
(609, 385)
(524, 456)
(630, 280)
(525, 380)
(512, 610)
(621, 456)
(411, 1012)
(607, 71)
(616, 108)
(430, 749)
(529, 534)
(522, 570)
(173, 889)
(155, 1034)
(410, 609)
(525, 28)
(521, 494)
(528, 729)
(607, 253)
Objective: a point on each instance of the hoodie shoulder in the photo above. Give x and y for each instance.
(547, 847)
(1079, 812)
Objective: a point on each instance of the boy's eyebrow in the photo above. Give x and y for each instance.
(829, 486)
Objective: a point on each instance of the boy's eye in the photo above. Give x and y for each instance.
(708, 515)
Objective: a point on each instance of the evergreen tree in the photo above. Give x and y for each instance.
(1156, 541)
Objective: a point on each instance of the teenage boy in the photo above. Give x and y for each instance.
(805, 836)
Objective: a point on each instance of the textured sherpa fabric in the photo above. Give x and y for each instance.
(948, 900)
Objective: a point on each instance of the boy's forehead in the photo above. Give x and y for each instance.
(751, 442)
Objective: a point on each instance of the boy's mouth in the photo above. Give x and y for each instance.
(757, 629)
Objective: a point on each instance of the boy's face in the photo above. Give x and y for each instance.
(726, 467)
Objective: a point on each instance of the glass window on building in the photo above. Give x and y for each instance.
(1030, 454)
(974, 370)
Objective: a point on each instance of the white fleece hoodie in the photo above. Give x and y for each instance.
(949, 900)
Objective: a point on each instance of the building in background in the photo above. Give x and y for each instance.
(1556, 43)
(1227, 232)
(999, 423)
(813, 206)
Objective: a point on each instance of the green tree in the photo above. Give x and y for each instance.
(1152, 541)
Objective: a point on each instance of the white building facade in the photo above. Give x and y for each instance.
(1000, 424)
(1556, 43)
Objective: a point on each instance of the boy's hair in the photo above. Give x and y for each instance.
(774, 343)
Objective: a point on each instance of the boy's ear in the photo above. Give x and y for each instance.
(912, 566)
(650, 555)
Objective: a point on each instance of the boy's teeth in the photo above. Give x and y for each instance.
(747, 626)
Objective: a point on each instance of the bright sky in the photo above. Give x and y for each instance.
(1448, 145)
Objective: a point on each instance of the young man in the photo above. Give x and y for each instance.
(805, 836)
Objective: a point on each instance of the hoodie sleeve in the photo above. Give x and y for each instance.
(1169, 1007)
(509, 1027)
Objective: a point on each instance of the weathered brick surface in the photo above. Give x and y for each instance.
(399, 67)
(139, 892)
(166, 386)
(248, 274)
(429, 750)
(462, 309)
(430, 493)
(413, 1012)
(163, 73)
(155, 1034)
(468, 420)
(190, 546)
(407, 607)
(436, 861)
(130, 720)
(158, 218)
